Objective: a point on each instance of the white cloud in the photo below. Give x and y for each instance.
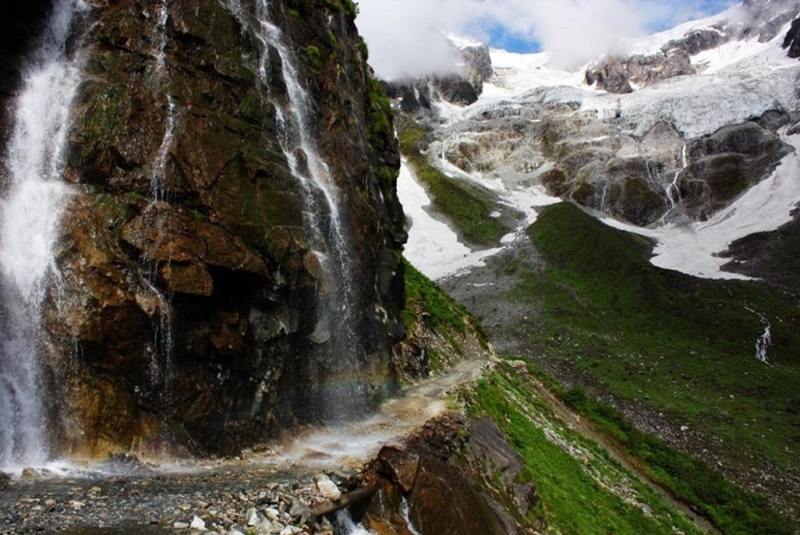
(404, 35)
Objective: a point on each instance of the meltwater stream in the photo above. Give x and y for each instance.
(343, 394)
(29, 224)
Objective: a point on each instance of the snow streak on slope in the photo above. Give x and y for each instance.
(694, 248)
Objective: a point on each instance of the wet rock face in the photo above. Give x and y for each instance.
(216, 263)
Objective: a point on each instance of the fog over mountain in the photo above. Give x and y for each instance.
(405, 36)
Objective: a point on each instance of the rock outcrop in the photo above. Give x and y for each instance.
(616, 75)
(188, 308)
(792, 41)
(454, 473)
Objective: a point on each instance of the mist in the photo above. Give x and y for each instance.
(405, 36)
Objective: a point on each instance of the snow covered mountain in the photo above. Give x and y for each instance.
(690, 138)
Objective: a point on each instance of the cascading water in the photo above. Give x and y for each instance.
(673, 186)
(29, 227)
(345, 525)
(161, 358)
(336, 372)
(764, 341)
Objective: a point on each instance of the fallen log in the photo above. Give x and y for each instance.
(345, 500)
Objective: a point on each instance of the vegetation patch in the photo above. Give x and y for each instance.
(690, 480)
(468, 207)
(680, 345)
(582, 491)
(440, 310)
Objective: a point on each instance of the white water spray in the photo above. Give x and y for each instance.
(29, 228)
(405, 512)
(345, 525)
(324, 223)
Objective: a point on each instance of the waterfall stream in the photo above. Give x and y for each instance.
(763, 342)
(673, 186)
(29, 226)
(161, 357)
(342, 393)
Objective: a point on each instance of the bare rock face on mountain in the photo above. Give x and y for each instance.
(191, 312)
(616, 75)
(756, 19)
(792, 41)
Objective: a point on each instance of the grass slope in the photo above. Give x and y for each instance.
(683, 346)
(581, 490)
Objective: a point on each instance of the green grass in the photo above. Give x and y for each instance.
(690, 480)
(681, 345)
(573, 500)
(468, 207)
(441, 312)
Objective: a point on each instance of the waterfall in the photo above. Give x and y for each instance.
(158, 178)
(342, 393)
(603, 198)
(29, 227)
(345, 525)
(764, 342)
(406, 514)
(161, 357)
(673, 186)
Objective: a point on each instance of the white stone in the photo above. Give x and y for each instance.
(180, 525)
(272, 513)
(197, 523)
(252, 517)
(328, 489)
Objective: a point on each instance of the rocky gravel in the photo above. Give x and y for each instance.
(246, 499)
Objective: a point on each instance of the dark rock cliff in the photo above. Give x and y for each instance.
(190, 311)
(792, 40)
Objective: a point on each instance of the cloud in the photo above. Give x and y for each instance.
(405, 40)
(404, 36)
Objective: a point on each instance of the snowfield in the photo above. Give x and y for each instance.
(737, 81)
